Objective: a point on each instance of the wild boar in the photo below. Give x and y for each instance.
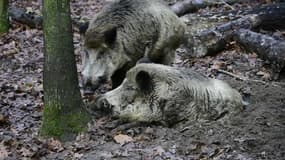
(159, 93)
(124, 32)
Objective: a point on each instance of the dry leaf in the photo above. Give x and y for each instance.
(3, 152)
(264, 75)
(218, 65)
(123, 139)
(3, 120)
(158, 151)
(26, 152)
(78, 155)
(54, 145)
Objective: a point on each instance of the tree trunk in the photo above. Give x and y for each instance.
(63, 115)
(4, 21)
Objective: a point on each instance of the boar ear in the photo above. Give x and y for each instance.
(110, 36)
(144, 81)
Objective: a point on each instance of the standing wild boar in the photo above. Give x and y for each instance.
(124, 32)
(159, 93)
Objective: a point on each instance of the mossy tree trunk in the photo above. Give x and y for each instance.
(4, 21)
(63, 115)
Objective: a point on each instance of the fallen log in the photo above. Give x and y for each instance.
(272, 17)
(211, 41)
(35, 20)
(266, 47)
(29, 18)
(190, 6)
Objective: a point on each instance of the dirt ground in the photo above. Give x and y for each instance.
(256, 133)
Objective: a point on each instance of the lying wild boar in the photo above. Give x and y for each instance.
(159, 93)
(124, 32)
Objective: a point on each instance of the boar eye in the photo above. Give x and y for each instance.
(144, 81)
(86, 54)
(110, 36)
(83, 27)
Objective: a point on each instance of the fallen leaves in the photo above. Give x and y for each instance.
(54, 145)
(123, 139)
(219, 65)
(21, 95)
(24, 152)
(158, 151)
(8, 49)
(3, 120)
(3, 152)
(265, 75)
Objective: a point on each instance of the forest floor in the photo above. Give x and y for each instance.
(257, 133)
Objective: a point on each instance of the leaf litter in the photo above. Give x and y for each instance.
(258, 133)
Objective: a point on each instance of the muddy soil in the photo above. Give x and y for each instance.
(256, 133)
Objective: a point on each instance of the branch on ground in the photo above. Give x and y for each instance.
(30, 19)
(190, 6)
(266, 47)
(33, 19)
(211, 41)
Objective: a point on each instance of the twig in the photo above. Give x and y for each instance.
(277, 84)
(227, 5)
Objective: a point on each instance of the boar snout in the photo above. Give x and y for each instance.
(92, 85)
(102, 104)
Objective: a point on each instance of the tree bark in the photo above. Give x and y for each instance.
(63, 115)
(264, 46)
(4, 21)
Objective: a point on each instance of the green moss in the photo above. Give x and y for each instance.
(4, 22)
(63, 115)
(4, 28)
(61, 124)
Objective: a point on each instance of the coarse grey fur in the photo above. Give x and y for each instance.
(160, 93)
(126, 31)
